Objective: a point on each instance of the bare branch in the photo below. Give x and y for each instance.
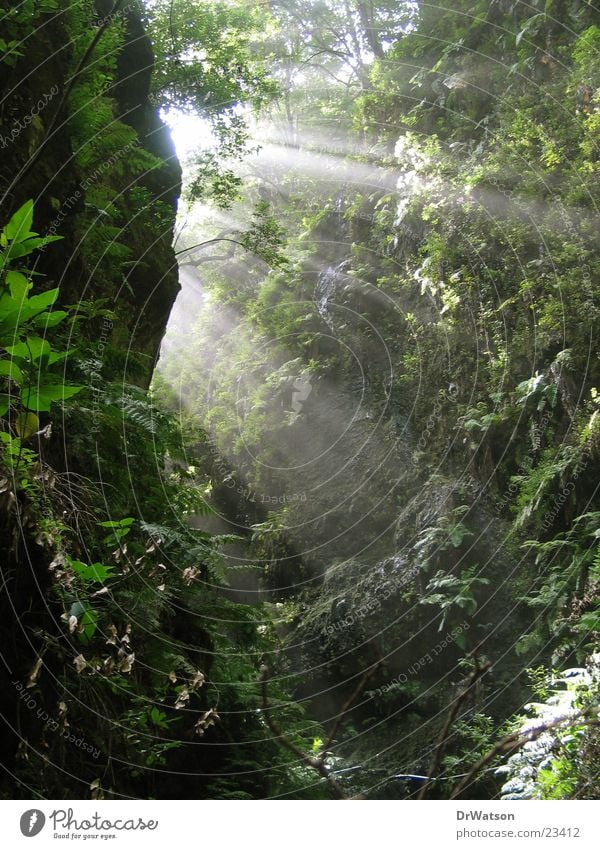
(350, 701)
(477, 673)
(210, 242)
(318, 764)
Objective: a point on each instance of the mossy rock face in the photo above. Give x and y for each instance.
(366, 613)
(48, 161)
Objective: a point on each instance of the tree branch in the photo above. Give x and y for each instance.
(318, 764)
(350, 701)
(211, 242)
(477, 673)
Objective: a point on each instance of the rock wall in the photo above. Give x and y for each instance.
(68, 142)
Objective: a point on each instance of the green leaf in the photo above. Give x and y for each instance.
(588, 622)
(10, 369)
(14, 313)
(43, 300)
(96, 572)
(31, 349)
(457, 533)
(159, 718)
(18, 285)
(58, 356)
(89, 623)
(26, 425)
(19, 226)
(50, 319)
(41, 398)
(19, 249)
(5, 402)
(121, 523)
(460, 639)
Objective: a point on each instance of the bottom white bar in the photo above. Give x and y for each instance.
(288, 824)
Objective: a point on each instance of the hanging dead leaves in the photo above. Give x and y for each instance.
(205, 720)
(208, 717)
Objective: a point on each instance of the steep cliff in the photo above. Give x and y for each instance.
(81, 137)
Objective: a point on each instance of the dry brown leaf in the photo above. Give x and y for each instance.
(114, 634)
(58, 562)
(197, 680)
(79, 663)
(205, 720)
(126, 664)
(96, 788)
(182, 699)
(62, 714)
(34, 674)
(189, 575)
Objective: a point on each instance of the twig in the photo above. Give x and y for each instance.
(317, 764)
(228, 255)
(350, 701)
(477, 673)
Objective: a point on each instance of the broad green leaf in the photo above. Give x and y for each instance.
(14, 313)
(43, 300)
(8, 368)
(50, 319)
(31, 349)
(8, 305)
(120, 523)
(59, 356)
(49, 239)
(18, 249)
(159, 718)
(26, 425)
(41, 398)
(5, 402)
(19, 226)
(457, 533)
(18, 285)
(96, 572)
(89, 624)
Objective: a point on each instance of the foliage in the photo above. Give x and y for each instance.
(429, 173)
(561, 763)
(208, 64)
(28, 358)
